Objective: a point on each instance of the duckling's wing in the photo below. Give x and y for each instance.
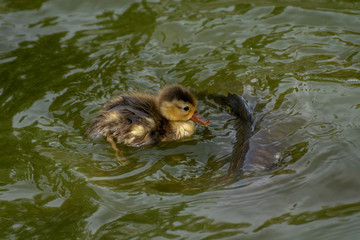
(129, 120)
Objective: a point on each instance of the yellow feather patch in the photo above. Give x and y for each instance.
(137, 130)
(184, 129)
(151, 122)
(111, 116)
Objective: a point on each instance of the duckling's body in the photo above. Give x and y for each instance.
(141, 119)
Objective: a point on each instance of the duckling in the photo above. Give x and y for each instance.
(139, 119)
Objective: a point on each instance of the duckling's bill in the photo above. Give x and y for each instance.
(196, 117)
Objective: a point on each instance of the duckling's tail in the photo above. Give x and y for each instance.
(95, 131)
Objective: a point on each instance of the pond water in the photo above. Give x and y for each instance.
(296, 63)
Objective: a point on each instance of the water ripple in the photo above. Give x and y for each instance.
(296, 64)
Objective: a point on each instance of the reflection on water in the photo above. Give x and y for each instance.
(295, 63)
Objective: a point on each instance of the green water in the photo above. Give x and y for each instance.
(297, 64)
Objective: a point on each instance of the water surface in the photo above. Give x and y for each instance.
(297, 64)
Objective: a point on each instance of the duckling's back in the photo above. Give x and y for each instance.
(130, 119)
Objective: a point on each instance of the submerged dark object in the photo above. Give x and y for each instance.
(244, 128)
(244, 122)
(252, 150)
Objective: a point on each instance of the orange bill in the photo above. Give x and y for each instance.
(196, 117)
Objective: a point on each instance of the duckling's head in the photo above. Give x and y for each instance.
(176, 103)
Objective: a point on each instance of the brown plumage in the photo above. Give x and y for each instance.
(140, 119)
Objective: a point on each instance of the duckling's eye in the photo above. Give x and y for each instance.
(186, 108)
